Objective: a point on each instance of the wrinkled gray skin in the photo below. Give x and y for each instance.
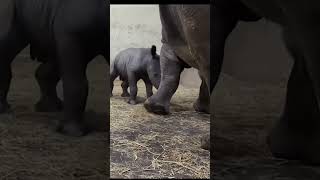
(297, 134)
(186, 43)
(64, 35)
(134, 64)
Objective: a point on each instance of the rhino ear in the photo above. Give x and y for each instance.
(153, 50)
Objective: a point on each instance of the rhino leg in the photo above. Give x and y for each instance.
(48, 77)
(133, 88)
(171, 69)
(203, 102)
(11, 44)
(149, 86)
(286, 138)
(73, 63)
(113, 75)
(203, 105)
(293, 136)
(125, 85)
(223, 24)
(304, 29)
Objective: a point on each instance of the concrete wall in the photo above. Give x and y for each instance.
(140, 26)
(256, 53)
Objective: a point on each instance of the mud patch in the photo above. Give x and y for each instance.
(144, 145)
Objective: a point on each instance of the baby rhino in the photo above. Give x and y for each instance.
(134, 64)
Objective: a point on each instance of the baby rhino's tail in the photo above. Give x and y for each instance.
(153, 50)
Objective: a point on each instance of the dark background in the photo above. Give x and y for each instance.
(248, 99)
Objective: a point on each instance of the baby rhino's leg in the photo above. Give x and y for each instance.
(133, 87)
(125, 85)
(148, 87)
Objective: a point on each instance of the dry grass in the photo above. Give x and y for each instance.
(144, 145)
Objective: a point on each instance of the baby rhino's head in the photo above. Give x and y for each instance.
(154, 67)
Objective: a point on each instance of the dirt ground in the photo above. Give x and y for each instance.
(29, 146)
(244, 113)
(144, 145)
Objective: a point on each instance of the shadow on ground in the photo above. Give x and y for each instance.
(144, 145)
(244, 113)
(30, 148)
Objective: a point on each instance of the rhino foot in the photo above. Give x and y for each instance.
(296, 144)
(282, 145)
(4, 107)
(203, 108)
(205, 142)
(155, 107)
(72, 128)
(49, 105)
(310, 154)
(132, 102)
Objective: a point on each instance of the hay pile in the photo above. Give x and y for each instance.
(144, 145)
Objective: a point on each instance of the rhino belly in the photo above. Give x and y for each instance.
(188, 56)
(42, 48)
(266, 8)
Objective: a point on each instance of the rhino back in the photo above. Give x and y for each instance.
(132, 59)
(43, 20)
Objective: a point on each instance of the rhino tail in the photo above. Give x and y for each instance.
(153, 50)
(113, 70)
(112, 67)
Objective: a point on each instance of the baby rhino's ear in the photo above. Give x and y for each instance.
(153, 50)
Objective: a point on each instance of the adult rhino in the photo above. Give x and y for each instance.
(297, 134)
(65, 35)
(186, 43)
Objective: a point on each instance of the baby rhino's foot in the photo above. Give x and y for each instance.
(132, 102)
